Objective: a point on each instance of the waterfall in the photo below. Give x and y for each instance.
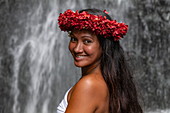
(38, 56)
(34, 62)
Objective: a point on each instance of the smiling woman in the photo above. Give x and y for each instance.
(106, 85)
(85, 48)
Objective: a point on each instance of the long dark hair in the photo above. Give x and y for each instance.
(117, 75)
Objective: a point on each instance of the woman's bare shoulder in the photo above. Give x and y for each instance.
(91, 82)
(91, 86)
(86, 95)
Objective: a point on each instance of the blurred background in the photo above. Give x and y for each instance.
(36, 67)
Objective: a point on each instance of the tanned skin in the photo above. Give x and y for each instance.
(90, 94)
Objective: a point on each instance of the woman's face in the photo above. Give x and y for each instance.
(85, 48)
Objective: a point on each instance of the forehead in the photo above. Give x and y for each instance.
(82, 33)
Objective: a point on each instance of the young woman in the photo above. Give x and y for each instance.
(106, 85)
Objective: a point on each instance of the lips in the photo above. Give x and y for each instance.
(79, 57)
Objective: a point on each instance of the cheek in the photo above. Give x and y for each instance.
(70, 47)
(90, 50)
(94, 50)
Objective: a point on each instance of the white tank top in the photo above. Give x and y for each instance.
(63, 104)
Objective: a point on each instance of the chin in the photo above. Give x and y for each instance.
(80, 64)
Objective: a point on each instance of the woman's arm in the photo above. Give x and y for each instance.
(85, 97)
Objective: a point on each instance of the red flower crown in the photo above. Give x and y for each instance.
(98, 24)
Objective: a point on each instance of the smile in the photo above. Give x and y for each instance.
(79, 57)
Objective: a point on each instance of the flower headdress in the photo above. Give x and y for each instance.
(98, 24)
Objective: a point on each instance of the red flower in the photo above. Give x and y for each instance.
(70, 20)
(105, 11)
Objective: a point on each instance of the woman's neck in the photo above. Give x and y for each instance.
(95, 68)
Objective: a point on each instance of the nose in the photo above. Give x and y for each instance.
(78, 48)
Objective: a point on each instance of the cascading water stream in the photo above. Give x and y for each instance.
(37, 49)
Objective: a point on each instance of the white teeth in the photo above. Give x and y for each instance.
(79, 56)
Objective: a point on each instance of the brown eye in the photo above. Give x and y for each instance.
(73, 39)
(87, 41)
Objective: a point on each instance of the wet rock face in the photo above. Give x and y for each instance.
(34, 55)
(150, 47)
(6, 60)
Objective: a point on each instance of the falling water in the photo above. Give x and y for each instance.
(36, 67)
(34, 62)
